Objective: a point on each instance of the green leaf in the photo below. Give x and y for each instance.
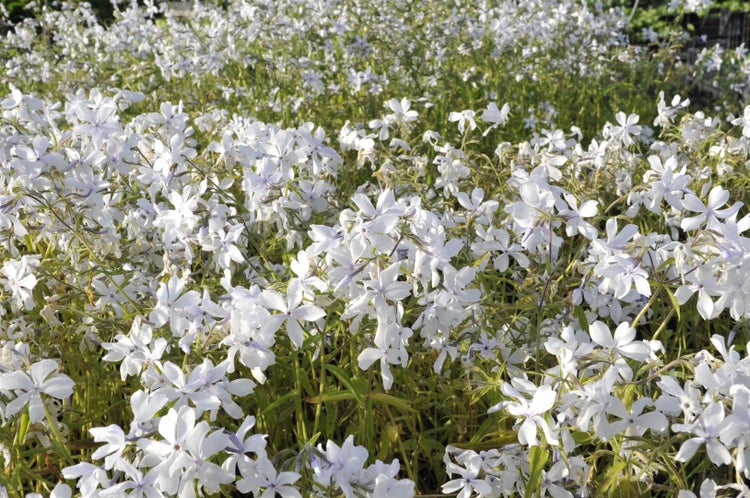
(344, 379)
(332, 395)
(611, 477)
(580, 315)
(387, 399)
(627, 488)
(23, 426)
(304, 379)
(675, 303)
(273, 407)
(538, 457)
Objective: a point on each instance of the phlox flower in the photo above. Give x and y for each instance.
(98, 120)
(345, 270)
(239, 446)
(252, 336)
(469, 481)
(136, 349)
(622, 343)
(573, 217)
(496, 241)
(676, 399)
(172, 303)
(340, 464)
(475, 205)
(464, 118)
(206, 387)
(552, 478)
(382, 126)
(42, 378)
(705, 283)
(270, 481)
(115, 443)
(373, 235)
(389, 349)
(451, 165)
(709, 213)
(223, 245)
(402, 111)
(168, 455)
(615, 241)
(621, 273)
(530, 413)
(498, 117)
(554, 140)
(145, 406)
(537, 201)
(455, 283)
(201, 446)
(594, 399)
(110, 293)
(666, 113)
(20, 280)
(716, 377)
(486, 346)
(389, 487)
(180, 222)
(446, 348)
(570, 347)
(302, 267)
(182, 456)
(670, 183)
(324, 159)
(744, 121)
(707, 431)
(708, 489)
(387, 288)
(292, 311)
(205, 316)
(736, 428)
(136, 485)
(90, 477)
(31, 161)
(633, 421)
(626, 128)
(433, 254)
(213, 382)
(61, 490)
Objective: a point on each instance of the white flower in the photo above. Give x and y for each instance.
(42, 378)
(623, 342)
(497, 117)
(464, 118)
(531, 413)
(707, 430)
(744, 121)
(626, 128)
(292, 311)
(708, 213)
(20, 280)
(469, 481)
(402, 112)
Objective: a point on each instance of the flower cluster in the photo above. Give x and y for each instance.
(195, 300)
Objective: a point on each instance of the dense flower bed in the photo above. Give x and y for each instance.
(204, 292)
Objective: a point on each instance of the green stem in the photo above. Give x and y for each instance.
(58, 438)
(643, 311)
(322, 388)
(301, 426)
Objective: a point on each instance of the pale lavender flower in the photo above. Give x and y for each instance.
(42, 378)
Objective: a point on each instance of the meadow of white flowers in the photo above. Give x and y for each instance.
(205, 293)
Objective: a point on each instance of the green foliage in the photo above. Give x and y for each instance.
(319, 392)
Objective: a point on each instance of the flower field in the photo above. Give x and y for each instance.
(372, 249)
